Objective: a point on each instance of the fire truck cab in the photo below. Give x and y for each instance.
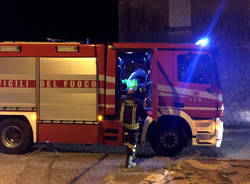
(72, 92)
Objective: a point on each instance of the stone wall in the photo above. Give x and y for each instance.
(227, 22)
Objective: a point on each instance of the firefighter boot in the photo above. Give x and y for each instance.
(133, 157)
(129, 162)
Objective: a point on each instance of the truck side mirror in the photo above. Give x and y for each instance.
(211, 89)
(214, 52)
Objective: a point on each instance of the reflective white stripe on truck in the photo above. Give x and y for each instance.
(188, 92)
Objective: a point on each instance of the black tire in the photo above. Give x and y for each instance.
(168, 141)
(15, 136)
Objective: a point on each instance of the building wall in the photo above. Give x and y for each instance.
(227, 23)
(143, 20)
(179, 13)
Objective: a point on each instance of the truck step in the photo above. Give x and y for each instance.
(112, 132)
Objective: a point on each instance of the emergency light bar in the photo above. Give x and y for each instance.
(10, 48)
(202, 42)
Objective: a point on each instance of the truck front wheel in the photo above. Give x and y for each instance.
(169, 141)
(15, 136)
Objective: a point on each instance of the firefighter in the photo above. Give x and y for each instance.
(131, 109)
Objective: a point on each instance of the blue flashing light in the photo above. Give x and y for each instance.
(202, 42)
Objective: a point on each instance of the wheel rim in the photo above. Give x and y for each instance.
(12, 136)
(169, 139)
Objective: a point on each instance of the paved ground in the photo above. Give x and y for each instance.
(208, 171)
(78, 168)
(74, 164)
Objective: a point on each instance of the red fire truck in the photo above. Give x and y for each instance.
(71, 93)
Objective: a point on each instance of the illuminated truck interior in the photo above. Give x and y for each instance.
(134, 65)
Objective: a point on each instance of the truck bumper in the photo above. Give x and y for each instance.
(208, 133)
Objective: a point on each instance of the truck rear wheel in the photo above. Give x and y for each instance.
(15, 136)
(168, 141)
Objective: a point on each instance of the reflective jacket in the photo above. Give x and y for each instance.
(128, 116)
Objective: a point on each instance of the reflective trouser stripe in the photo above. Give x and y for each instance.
(131, 126)
(132, 147)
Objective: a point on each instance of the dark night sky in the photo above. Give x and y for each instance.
(74, 20)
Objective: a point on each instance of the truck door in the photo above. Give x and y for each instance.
(17, 83)
(194, 80)
(162, 86)
(68, 89)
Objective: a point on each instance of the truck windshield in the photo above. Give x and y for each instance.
(197, 68)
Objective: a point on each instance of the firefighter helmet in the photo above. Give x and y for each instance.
(131, 91)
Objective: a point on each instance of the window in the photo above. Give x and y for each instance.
(195, 68)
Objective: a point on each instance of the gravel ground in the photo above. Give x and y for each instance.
(98, 164)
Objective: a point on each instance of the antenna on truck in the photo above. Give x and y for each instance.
(87, 40)
(54, 40)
